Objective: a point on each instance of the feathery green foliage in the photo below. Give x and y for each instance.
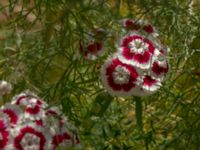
(39, 50)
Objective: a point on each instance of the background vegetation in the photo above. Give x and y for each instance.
(39, 50)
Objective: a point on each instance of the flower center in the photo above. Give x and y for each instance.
(138, 46)
(121, 75)
(30, 141)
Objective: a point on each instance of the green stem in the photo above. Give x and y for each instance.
(139, 113)
(139, 119)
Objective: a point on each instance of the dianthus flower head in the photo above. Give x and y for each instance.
(119, 78)
(140, 64)
(28, 123)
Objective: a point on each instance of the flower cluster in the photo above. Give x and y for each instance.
(92, 47)
(27, 123)
(139, 66)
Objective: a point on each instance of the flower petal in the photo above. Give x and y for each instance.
(118, 78)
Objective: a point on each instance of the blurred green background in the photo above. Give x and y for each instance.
(39, 50)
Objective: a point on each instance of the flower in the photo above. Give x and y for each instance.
(5, 88)
(22, 99)
(92, 45)
(62, 140)
(34, 108)
(148, 28)
(4, 132)
(31, 105)
(130, 24)
(30, 137)
(139, 26)
(159, 66)
(91, 50)
(137, 50)
(140, 64)
(150, 84)
(29, 123)
(119, 78)
(147, 85)
(13, 112)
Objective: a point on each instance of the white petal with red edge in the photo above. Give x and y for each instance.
(140, 66)
(136, 50)
(4, 131)
(28, 135)
(159, 66)
(116, 86)
(150, 84)
(13, 112)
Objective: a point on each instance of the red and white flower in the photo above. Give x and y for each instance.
(142, 52)
(34, 108)
(139, 26)
(30, 137)
(22, 99)
(13, 112)
(148, 28)
(119, 78)
(146, 86)
(28, 123)
(91, 50)
(92, 46)
(53, 111)
(62, 140)
(31, 105)
(159, 66)
(137, 50)
(150, 84)
(130, 24)
(4, 132)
